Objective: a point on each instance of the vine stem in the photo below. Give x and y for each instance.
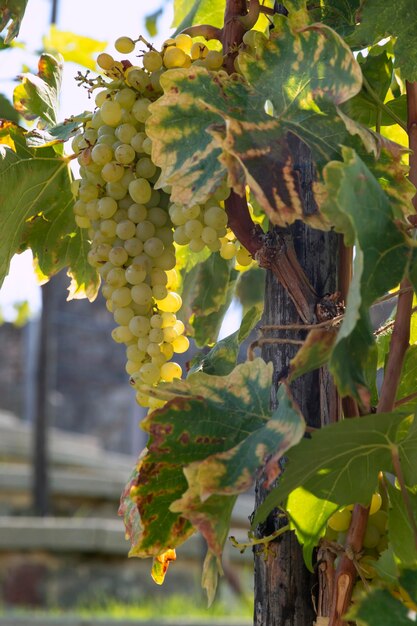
(346, 573)
(381, 106)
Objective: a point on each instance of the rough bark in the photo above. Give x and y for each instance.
(285, 591)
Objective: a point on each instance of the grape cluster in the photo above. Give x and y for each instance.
(375, 540)
(133, 228)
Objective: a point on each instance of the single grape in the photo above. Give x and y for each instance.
(340, 520)
(152, 61)
(111, 112)
(102, 154)
(140, 190)
(105, 61)
(174, 57)
(180, 344)
(124, 45)
(135, 274)
(126, 98)
(124, 154)
(170, 370)
(375, 503)
(171, 303)
(372, 536)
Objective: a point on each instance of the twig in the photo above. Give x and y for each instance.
(388, 325)
(258, 343)
(262, 540)
(405, 399)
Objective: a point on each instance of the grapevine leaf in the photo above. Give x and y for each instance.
(222, 357)
(327, 465)
(338, 14)
(376, 22)
(7, 111)
(224, 116)
(250, 289)
(206, 328)
(314, 353)
(151, 22)
(42, 138)
(160, 565)
(359, 208)
(307, 517)
(201, 12)
(409, 373)
(74, 48)
(207, 292)
(37, 95)
(204, 288)
(378, 607)
(400, 529)
(36, 211)
(11, 11)
(387, 567)
(203, 415)
(233, 471)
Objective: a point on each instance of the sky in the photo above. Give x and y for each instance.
(98, 19)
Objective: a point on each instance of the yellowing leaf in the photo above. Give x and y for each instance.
(75, 48)
(161, 564)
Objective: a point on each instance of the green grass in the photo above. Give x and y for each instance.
(172, 606)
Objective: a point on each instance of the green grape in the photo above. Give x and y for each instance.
(372, 536)
(105, 61)
(213, 60)
(147, 145)
(142, 294)
(108, 228)
(137, 213)
(124, 45)
(121, 297)
(137, 141)
(145, 168)
(191, 213)
(80, 208)
(165, 234)
(140, 190)
(340, 520)
(166, 261)
(159, 292)
(118, 256)
(152, 61)
(149, 373)
(196, 245)
(111, 112)
(170, 370)
(145, 230)
(379, 520)
(180, 344)
(227, 250)
(140, 109)
(157, 216)
(126, 98)
(209, 235)
(106, 207)
(125, 229)
(134, 354)
(243, 257)
(154, 247)
(198, 51)
(122, 316)
(102, 154)
(153, 350)
(193, 229)
(158, 277)
(125, 133)
(156, 320)
(82, 222)
(135, 274)
(116, 277)
(112, 172)
(116, 190)
(101, 97)
(180, 236)
(124, 154)
(133, 246)
(121, 334)
(175, 57)
(215, 217)
(140, 326)
(87, 193)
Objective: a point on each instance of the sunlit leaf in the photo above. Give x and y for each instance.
(151, 22)
(328, 464)
(400, 527)
(38, 94)
(36, 212)
(74, 48)
(198, 12)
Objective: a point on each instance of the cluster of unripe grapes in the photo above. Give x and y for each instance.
(131, 225)
(375, 540)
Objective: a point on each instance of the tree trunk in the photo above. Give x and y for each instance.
(285, 591)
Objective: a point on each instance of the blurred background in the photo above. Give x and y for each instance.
(69, 434)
